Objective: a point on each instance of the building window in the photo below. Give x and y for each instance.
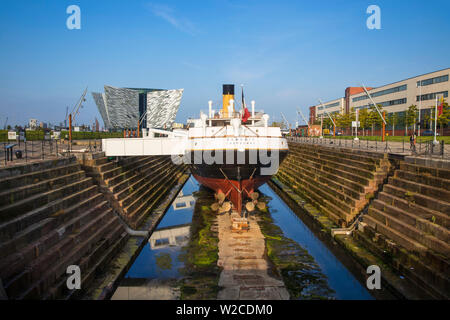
(386, 103)
(430, 81)
(331, 105)
(382, 93)
(432, 96)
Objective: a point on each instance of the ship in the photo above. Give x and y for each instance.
(234, 152)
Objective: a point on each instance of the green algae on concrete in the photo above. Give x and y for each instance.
(302, 276)
(164, 261)
(201, 273)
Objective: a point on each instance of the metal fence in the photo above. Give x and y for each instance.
(29, 151)
(425, 148)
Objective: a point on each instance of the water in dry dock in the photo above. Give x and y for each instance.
(157, 271)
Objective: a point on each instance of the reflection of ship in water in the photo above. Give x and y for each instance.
(173, 236)
(183, 202)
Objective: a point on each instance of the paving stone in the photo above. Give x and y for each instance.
(245, 266)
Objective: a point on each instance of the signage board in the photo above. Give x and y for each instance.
(12, 135)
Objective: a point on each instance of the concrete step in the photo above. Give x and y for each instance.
(14, 210)
(323, 191)
(56, 259)
(437, 193)
(435, 237)
(337, 157)
(36, 176)
(143, 199)
(92, 263)
(140, 186)
(13, 195)
(394, 235)
(335, 213)
(419, 270)
(137, 218)
(349, 187)
(21, 169)
(333, 170)
(99, 161)
(121, 190)
(336, 164)
(21, 254)
(59, 209)
(418, 199)
(328, 187)
(423, 179)
(127, 173)
(434, 172)
(85, 242)
(105, 167)
(425, 213)
(345, 153)
(124, 166)
(339, 221)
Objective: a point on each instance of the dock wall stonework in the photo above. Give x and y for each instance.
(400, 208)
(68, 211)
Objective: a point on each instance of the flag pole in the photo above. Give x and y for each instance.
(420, 103)
(435, 121)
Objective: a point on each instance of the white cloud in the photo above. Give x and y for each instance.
(168, 14)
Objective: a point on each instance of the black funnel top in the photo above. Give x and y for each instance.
(228, 89)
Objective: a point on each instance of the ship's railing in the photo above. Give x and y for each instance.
(219, 114)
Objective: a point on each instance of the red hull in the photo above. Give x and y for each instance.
(233, 190)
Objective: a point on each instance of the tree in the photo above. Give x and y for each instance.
(364, 119)
(374, 117)
(411, 116)
(278, 124)
(444, 118)
(345, 120)
(392, 119)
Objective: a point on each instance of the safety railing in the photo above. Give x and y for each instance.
(419, 148)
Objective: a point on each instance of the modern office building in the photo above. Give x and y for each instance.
(394, 97)
(124, 107)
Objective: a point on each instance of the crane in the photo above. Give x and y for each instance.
(65, 119)
(75, 112)
(334, 124)
(285, 120)
(299, 112)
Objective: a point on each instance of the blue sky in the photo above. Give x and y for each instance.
(286, 53)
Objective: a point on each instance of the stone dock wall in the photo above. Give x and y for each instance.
(399, 210)
(58, 213)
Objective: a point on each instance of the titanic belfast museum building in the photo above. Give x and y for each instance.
(122, 108)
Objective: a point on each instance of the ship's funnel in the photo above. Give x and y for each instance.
(228, 94)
